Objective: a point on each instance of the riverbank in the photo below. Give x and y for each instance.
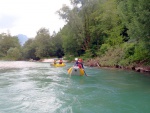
(96, 63)
(137, 67)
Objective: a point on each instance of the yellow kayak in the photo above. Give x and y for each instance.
(59, 65)
(75, 70)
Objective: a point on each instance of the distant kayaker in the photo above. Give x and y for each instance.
(60, 61)
(55, 61)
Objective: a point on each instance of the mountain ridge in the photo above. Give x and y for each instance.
(22, 38)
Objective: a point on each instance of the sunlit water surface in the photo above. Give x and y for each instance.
(34, 87)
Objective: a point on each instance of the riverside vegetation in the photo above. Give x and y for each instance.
(114, 33)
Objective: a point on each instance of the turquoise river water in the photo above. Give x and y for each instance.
(35, 87)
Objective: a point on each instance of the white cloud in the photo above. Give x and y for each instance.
(28, 16)
(7, 21)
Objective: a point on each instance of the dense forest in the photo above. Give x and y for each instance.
(116, 32)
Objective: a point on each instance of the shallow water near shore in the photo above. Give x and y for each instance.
(36, 87)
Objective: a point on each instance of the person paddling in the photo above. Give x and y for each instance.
(55, 61)
(80, 65)
(60, 61)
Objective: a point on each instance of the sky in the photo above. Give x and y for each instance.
(28, 16)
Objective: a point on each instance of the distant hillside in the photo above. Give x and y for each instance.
(22, 38)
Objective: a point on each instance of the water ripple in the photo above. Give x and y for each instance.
(34, 87)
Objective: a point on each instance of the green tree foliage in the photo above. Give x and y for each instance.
(78, 26)
(104, 48)
(72, 32)
(88, 54)
(68, 45)
(6, 42)
(14, 54)
(140, 53)
(101, 27)
(135, 15)
(29, 50)
(44, 45)
(57, 48)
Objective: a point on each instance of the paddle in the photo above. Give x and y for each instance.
(84, 72)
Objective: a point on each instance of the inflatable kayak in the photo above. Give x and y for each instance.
(58, 65)
(75, 70)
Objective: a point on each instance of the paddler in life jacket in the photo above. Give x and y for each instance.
(60, 61)
(80, 63)
(55, 61)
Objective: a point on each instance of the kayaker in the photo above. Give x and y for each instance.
(60, 61)
(54, 61)
(80, 63)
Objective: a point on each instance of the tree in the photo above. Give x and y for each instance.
(44, 43)
(73, 32)
(6, 42)
(57, 41)
(135, 14)
(14, 54)
(78, 25)
(29, 50)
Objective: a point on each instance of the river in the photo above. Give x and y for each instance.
(36, 87)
